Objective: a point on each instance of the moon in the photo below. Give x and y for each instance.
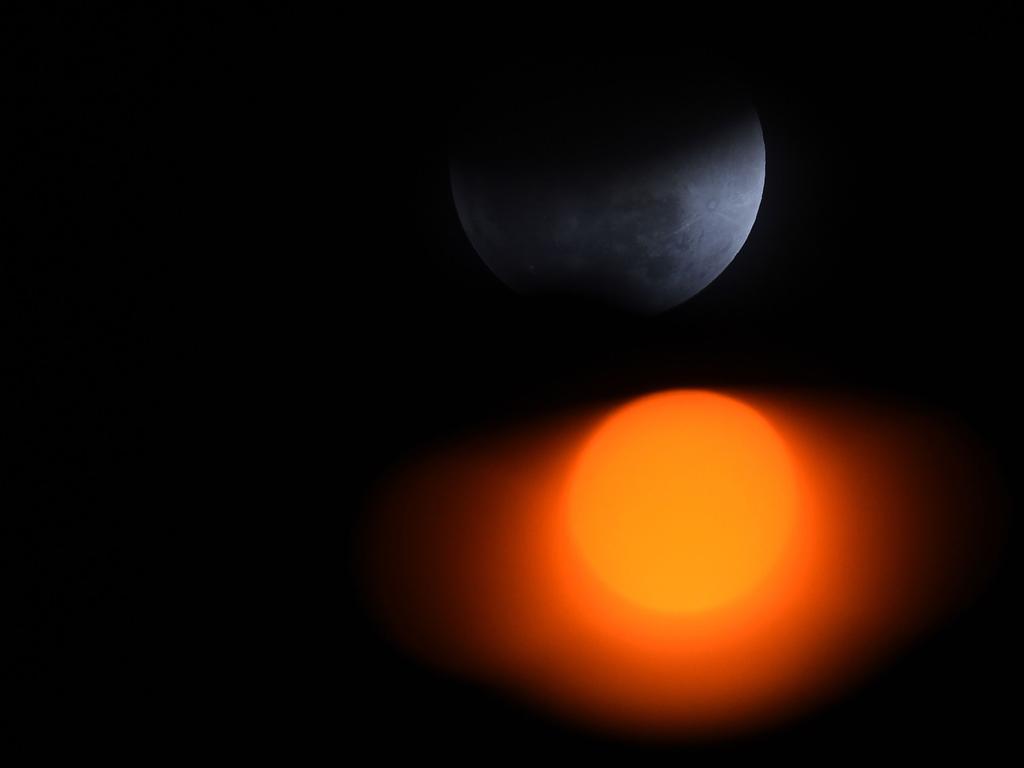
(634, 187)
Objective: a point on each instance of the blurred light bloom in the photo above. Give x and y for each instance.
(688, 562)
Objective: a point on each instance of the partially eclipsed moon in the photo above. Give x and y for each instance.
(631, 193)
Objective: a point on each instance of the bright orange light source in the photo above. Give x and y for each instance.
(689, 562)
(683, 502)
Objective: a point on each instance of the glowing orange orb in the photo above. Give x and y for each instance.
(683, 502)
(688, 563)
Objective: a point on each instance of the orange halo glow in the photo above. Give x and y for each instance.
(688, 563)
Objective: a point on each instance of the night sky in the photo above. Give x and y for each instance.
(236, 294)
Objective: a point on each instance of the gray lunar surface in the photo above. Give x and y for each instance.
(643, 231)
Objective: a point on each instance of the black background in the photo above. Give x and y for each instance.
(235, 292)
